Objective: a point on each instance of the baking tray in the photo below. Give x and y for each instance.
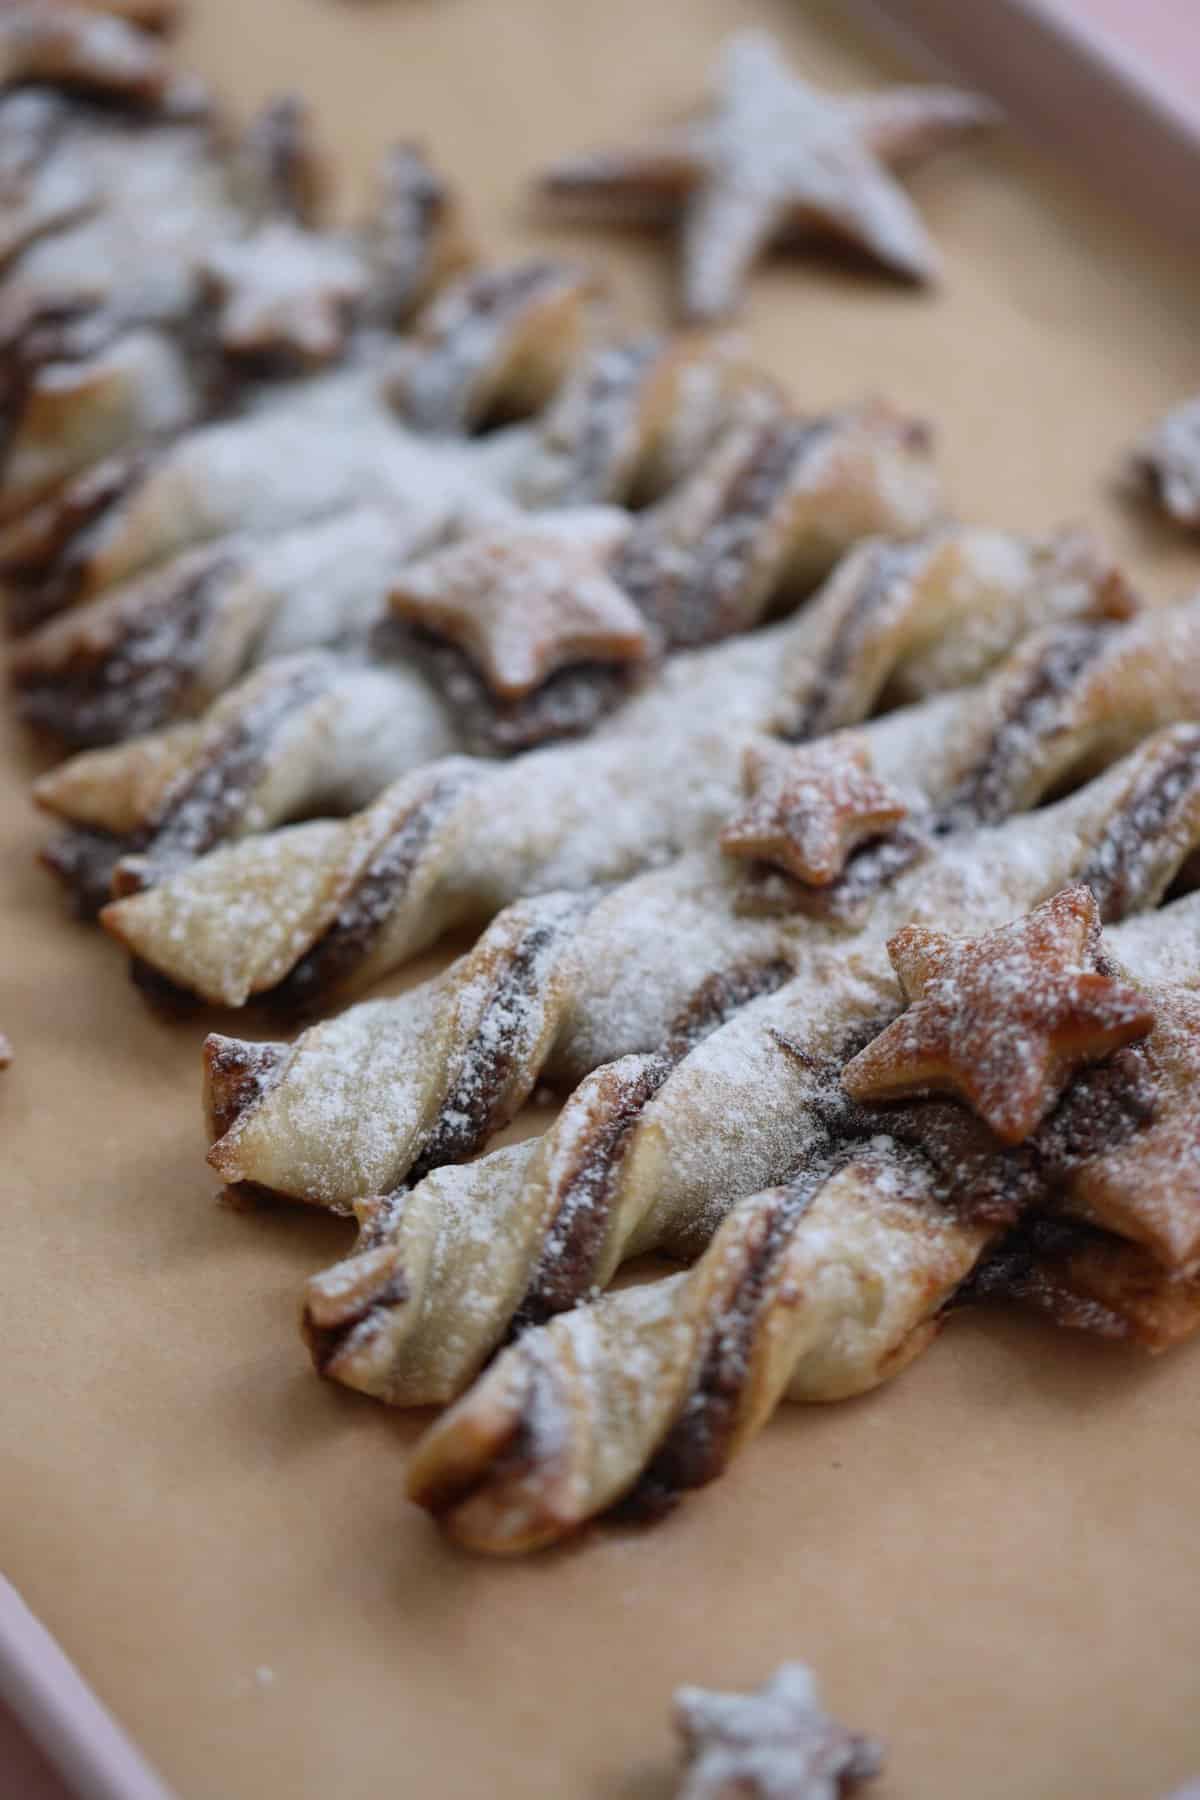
(990, 1563)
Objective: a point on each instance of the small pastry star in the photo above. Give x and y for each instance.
(284, 291)
(808, 808)
(1003, 1020)
(776, 1744)
(527, 597)
(775, 159)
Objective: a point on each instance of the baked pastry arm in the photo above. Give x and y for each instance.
(816, 1290)
(614, 996)
(978, 755)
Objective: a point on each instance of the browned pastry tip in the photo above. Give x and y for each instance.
(5, 1051)
(236, 1073)
(777, 1743)
(1003, 1020)
(148, 15)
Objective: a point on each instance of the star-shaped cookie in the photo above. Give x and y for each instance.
(284, 292)
(1004, 1020)
(529, 596)
(775, 1744)
(773, 160)
(807, 808)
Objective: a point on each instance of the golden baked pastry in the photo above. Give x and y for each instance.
(815, 1290)
(774, 159)
(1167, 463)
(574, 815)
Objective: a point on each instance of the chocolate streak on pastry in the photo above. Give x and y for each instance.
(986, 794)
(84, 859)
(43, 556)
(707, 601)
(767, 891)
(825, 705)
(567, 704)
(614, 380)
(348, 941)
(197, 812)
(1125, 860)
(566, 1268)
(477, 1105)
(106, 693)
(695, 1449)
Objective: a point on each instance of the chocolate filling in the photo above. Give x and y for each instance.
(609, 418)
(237, 1075)
(46, 573)
(773, 892)
(696, 1448)
(358, 1324)
(697, 594)
(1123, 869)
(198, 811)
(827, 703)
(481, 1100)
(351, 937)
(132, 685)
(83, 859)
(989, 791)
(567, 1266)
(567, 704)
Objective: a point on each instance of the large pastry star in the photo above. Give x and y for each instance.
(528, 596)
(1003, 1020)
(808, 808)
(773, 160)
(776, 1744)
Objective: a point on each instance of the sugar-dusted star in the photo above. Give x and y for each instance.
(526, 596)
(285, 292)
(808, 807)
(774, 159)
(775, 1744)
(1004, 1020)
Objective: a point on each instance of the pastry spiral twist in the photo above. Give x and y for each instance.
(1125, 835)
(574, 815)
(814, 1290)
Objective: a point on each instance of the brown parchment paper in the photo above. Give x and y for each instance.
(991, 1563)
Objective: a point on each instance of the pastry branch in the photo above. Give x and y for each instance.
(815, 1290)
(583, 814)
(643, 1156)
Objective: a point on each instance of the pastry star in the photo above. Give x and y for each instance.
(1003, 1020)
(774, 159)
(284, 291)
(776, 1744)
(527, 597)
(808, 808)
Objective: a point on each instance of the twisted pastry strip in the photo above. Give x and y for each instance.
(166, 644)
(574, 815)
(632, 419)
(817, 1290)
(617, 993)
(312, 449)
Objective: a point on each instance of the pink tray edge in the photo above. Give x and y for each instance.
(75, 1732)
